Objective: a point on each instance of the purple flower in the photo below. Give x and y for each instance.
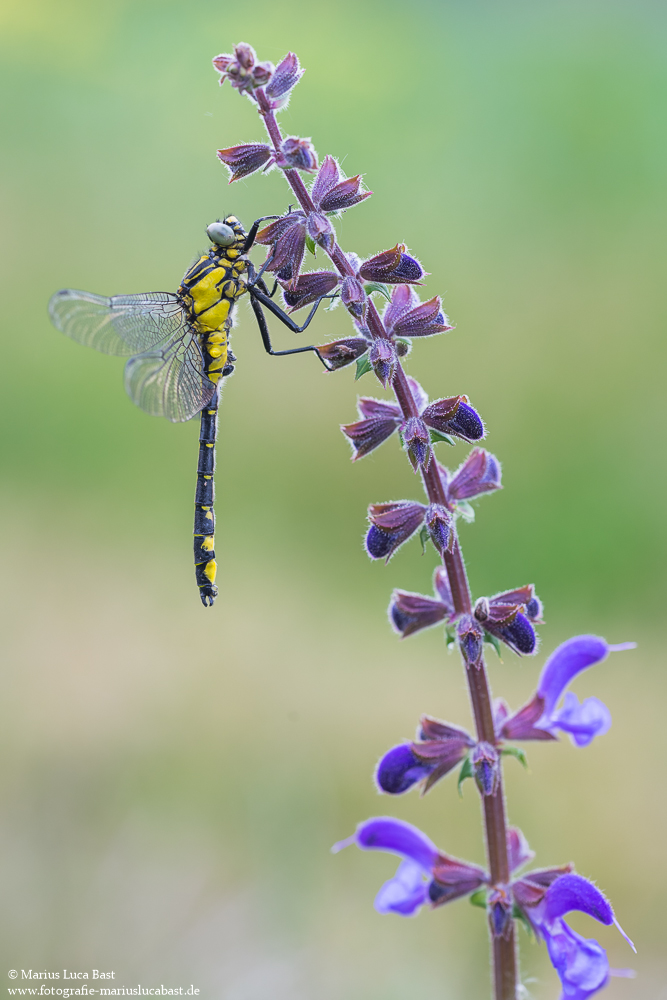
(409, 613)
(380, 419)
(405, 315)
(391, 267)
(285, 76)
(244, 159)
(479, 474)
(425, 875)
(391, 525)
(540, 718)
(470, 637)
(331, 192)
(509, 616)
(581, 963)
(297, 154)
(437, 750)
(340, 353)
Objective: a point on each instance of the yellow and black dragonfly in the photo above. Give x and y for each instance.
(178, 348)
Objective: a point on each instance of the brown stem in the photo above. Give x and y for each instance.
(495, 822)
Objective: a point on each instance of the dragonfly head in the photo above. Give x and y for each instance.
(221, 234)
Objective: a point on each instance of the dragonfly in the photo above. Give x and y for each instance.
(178, 350)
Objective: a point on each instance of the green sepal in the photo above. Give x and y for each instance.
(377, 286)
(310, 246)
(423, 538)
(363, 366)
(518, 753)
(465, 772)
(437, 436)
(493, 641)
(523, 920)
(450, 635)
(478, 898)
(466, 510)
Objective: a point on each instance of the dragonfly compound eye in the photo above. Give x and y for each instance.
(221, 234)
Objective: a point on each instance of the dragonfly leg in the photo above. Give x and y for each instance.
(252, 233)
(256, 304)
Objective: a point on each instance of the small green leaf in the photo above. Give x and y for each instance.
(423, 538)
(437, 436)
(465, 772)
(377, 286)
(310, 246)
(478, 898)
(466, 510)
(493, 641)
(363, 366)
(518, 753)
(450, 635)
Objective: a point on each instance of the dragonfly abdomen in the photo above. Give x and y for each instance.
(204, 541)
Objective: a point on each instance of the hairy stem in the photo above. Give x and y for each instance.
(495, 822)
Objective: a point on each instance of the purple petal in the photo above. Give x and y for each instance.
(480, 473)
(418, 394)
(518, 849)
(392, 524)
(583, 722)
(343, 195)
(409, 613)
(518, 634)
(298, 154)
(424, 321)
(244, 159)
(571, 657)
(343, 352)
(581, 963)
(399, 770)
(311, 286)
(405, 893)
(327, 177)
(442, 588)
(288, 252)
(574, 892)
(287, 74)
(380, 409)
(366, 435)
(403, 299)
(454, 415)
(393, 266)
(394, 836)
(272, 232)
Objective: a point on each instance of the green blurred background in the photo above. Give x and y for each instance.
(173, 778)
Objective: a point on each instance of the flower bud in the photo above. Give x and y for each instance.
(393, 266)
(480, 473)
(471, 640)
(391, 525)
(417, 443)
(499, 904)
(297, 154)
(384, 360)
(484, 760)
(244, 159)
(287, 74)
(439, 523)
(424, 321)
(309, 287)
(410, 613)
(320, 230)
(343, 352)
(353, 296)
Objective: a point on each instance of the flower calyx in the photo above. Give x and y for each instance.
(509, 616)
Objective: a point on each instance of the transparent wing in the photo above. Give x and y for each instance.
(122, 324)
(169, 381)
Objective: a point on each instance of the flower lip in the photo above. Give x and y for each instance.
(568, 660)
